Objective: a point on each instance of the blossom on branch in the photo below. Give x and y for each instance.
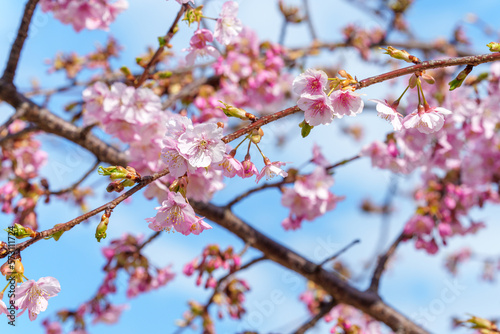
(85, 14)
(426, 120)
(176, 213)
(33, 296)
(228, 26)
(317, 109)
(199, 47)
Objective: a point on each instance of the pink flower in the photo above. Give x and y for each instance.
(249, 168)
(176, 213)
(317, 109)
(418, 225)
(89, 14)
(425, 120)
(199, 47)
(33, 296)
(318, 157)
(230, 166)
(110, 315)
(170, 155)
(202, 145)
(346, 103)
(3, 307)
(163, 276)
(389, 113)
(311, 82)
(53, 327)
(272, 169)
(292, 223)
(228, 26)
(430, 247)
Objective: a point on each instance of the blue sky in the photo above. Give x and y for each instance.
(415, 282)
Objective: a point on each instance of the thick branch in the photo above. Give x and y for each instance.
(366, 301)
(17, 46)
(50, 123)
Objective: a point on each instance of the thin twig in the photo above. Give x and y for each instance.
(254, 190)
(281, 39)
(22, 33)
(340, 252)
(343, 162)
(18, 134)
(312, 322)
(73, 222)
(382, 261)
(77, 183)
(150, 239)
(308, 19)
(159, 51)
(219, 282)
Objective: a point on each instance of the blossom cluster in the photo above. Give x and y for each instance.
(212, 258)
(85, 14)
(347, 318)
(320, 107)
(309, 198)
(459, 163)
(251, 75)
(122, 255)
(20, 161)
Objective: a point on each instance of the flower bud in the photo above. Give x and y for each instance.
(20, 231)
(114, 172)
(306, 128)
(231, 111)
(400, 54)
(100, 232)
(494, 47)
(256, 135)
(4, 249)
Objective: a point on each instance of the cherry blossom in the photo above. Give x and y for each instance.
(249, 168)
(110, 315)
(176, 213)
(3, 307)
(309, 198)
(230, 166)
(317, 109)
(228, 26)
(346, 103)
(271, 169)
(311, 82)
(426, 120)
(89, 14)
(202, 145)
(199, 47)
(389, 113)
(33, 296)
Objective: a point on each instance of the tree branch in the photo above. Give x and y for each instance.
(312, 322)
(382, 261)
(17, 46)
(77, 183)
(427, 65)
(159, 51)
(73, 222)
(366, 301)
